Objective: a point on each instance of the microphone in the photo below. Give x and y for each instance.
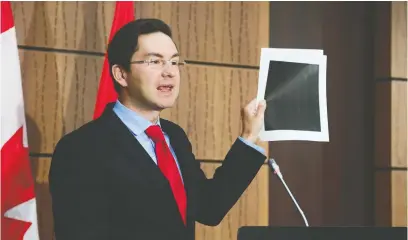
(277, 171)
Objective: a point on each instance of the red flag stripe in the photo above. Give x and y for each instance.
(13, 229)
(16, 180)
(124, 13)
(17, 185)
(7, 21)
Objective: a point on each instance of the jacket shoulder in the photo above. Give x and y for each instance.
(82, 136)
(171, 127)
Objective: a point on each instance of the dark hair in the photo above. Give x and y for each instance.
(125, 42)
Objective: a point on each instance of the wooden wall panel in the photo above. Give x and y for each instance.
(66, 25)
(43, 197)
(382, 198)
(59, 94)
(382, 39)
(391, 197)
(391, 114)
(347, 160)
(250, 210)
(332, 181)
(382, 124)
(391, 124)
(42, 169)
(227, 32)
(399, 124)
(399, 44)
(398, 65)
(399, 198)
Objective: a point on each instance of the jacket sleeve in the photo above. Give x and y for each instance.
(217, 195)
(77, 187)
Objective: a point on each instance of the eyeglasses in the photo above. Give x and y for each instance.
(160, 63)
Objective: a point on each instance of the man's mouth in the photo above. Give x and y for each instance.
(165, 87)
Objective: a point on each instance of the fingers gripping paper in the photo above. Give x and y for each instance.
(293, 83)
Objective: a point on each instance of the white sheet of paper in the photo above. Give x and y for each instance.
(307, 56)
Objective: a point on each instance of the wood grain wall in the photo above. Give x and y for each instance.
(391, 114)
(332, 181)
(61, 50)
(359, 178)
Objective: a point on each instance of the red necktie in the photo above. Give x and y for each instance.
(167, 165)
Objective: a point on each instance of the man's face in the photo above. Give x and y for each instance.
(154, 86)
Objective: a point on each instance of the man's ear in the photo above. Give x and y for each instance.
(120, 75)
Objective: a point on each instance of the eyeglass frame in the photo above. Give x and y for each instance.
(163, 62)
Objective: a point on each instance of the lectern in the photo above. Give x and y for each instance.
(322, 233)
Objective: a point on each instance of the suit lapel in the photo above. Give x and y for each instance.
(137, 157)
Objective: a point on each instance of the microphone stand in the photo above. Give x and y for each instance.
(277, 171)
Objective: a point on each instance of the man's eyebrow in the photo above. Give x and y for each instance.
(154, 54)
(161, 56)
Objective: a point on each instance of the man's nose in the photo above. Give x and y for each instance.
(168, 70)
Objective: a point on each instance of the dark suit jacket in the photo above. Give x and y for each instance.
(104, 185)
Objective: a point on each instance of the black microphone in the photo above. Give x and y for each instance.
(277, 171)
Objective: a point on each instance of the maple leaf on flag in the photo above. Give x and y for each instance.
(18, 203)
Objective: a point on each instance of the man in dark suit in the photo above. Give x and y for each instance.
(132, 175)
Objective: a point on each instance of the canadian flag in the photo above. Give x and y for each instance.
(18, 204)
(124, 13)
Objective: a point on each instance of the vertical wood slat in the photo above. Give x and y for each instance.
(382, 124)
(399, 44)
(399, 61)
(399, 198)
(391, 198)
(296, 25)
(250, 210)
(336, 172)
(391, 114)
(40, 168)
(399, 131)
(348, 156)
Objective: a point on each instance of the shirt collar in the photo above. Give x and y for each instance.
(135, 122)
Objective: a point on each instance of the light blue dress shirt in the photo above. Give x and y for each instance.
(137, 125)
